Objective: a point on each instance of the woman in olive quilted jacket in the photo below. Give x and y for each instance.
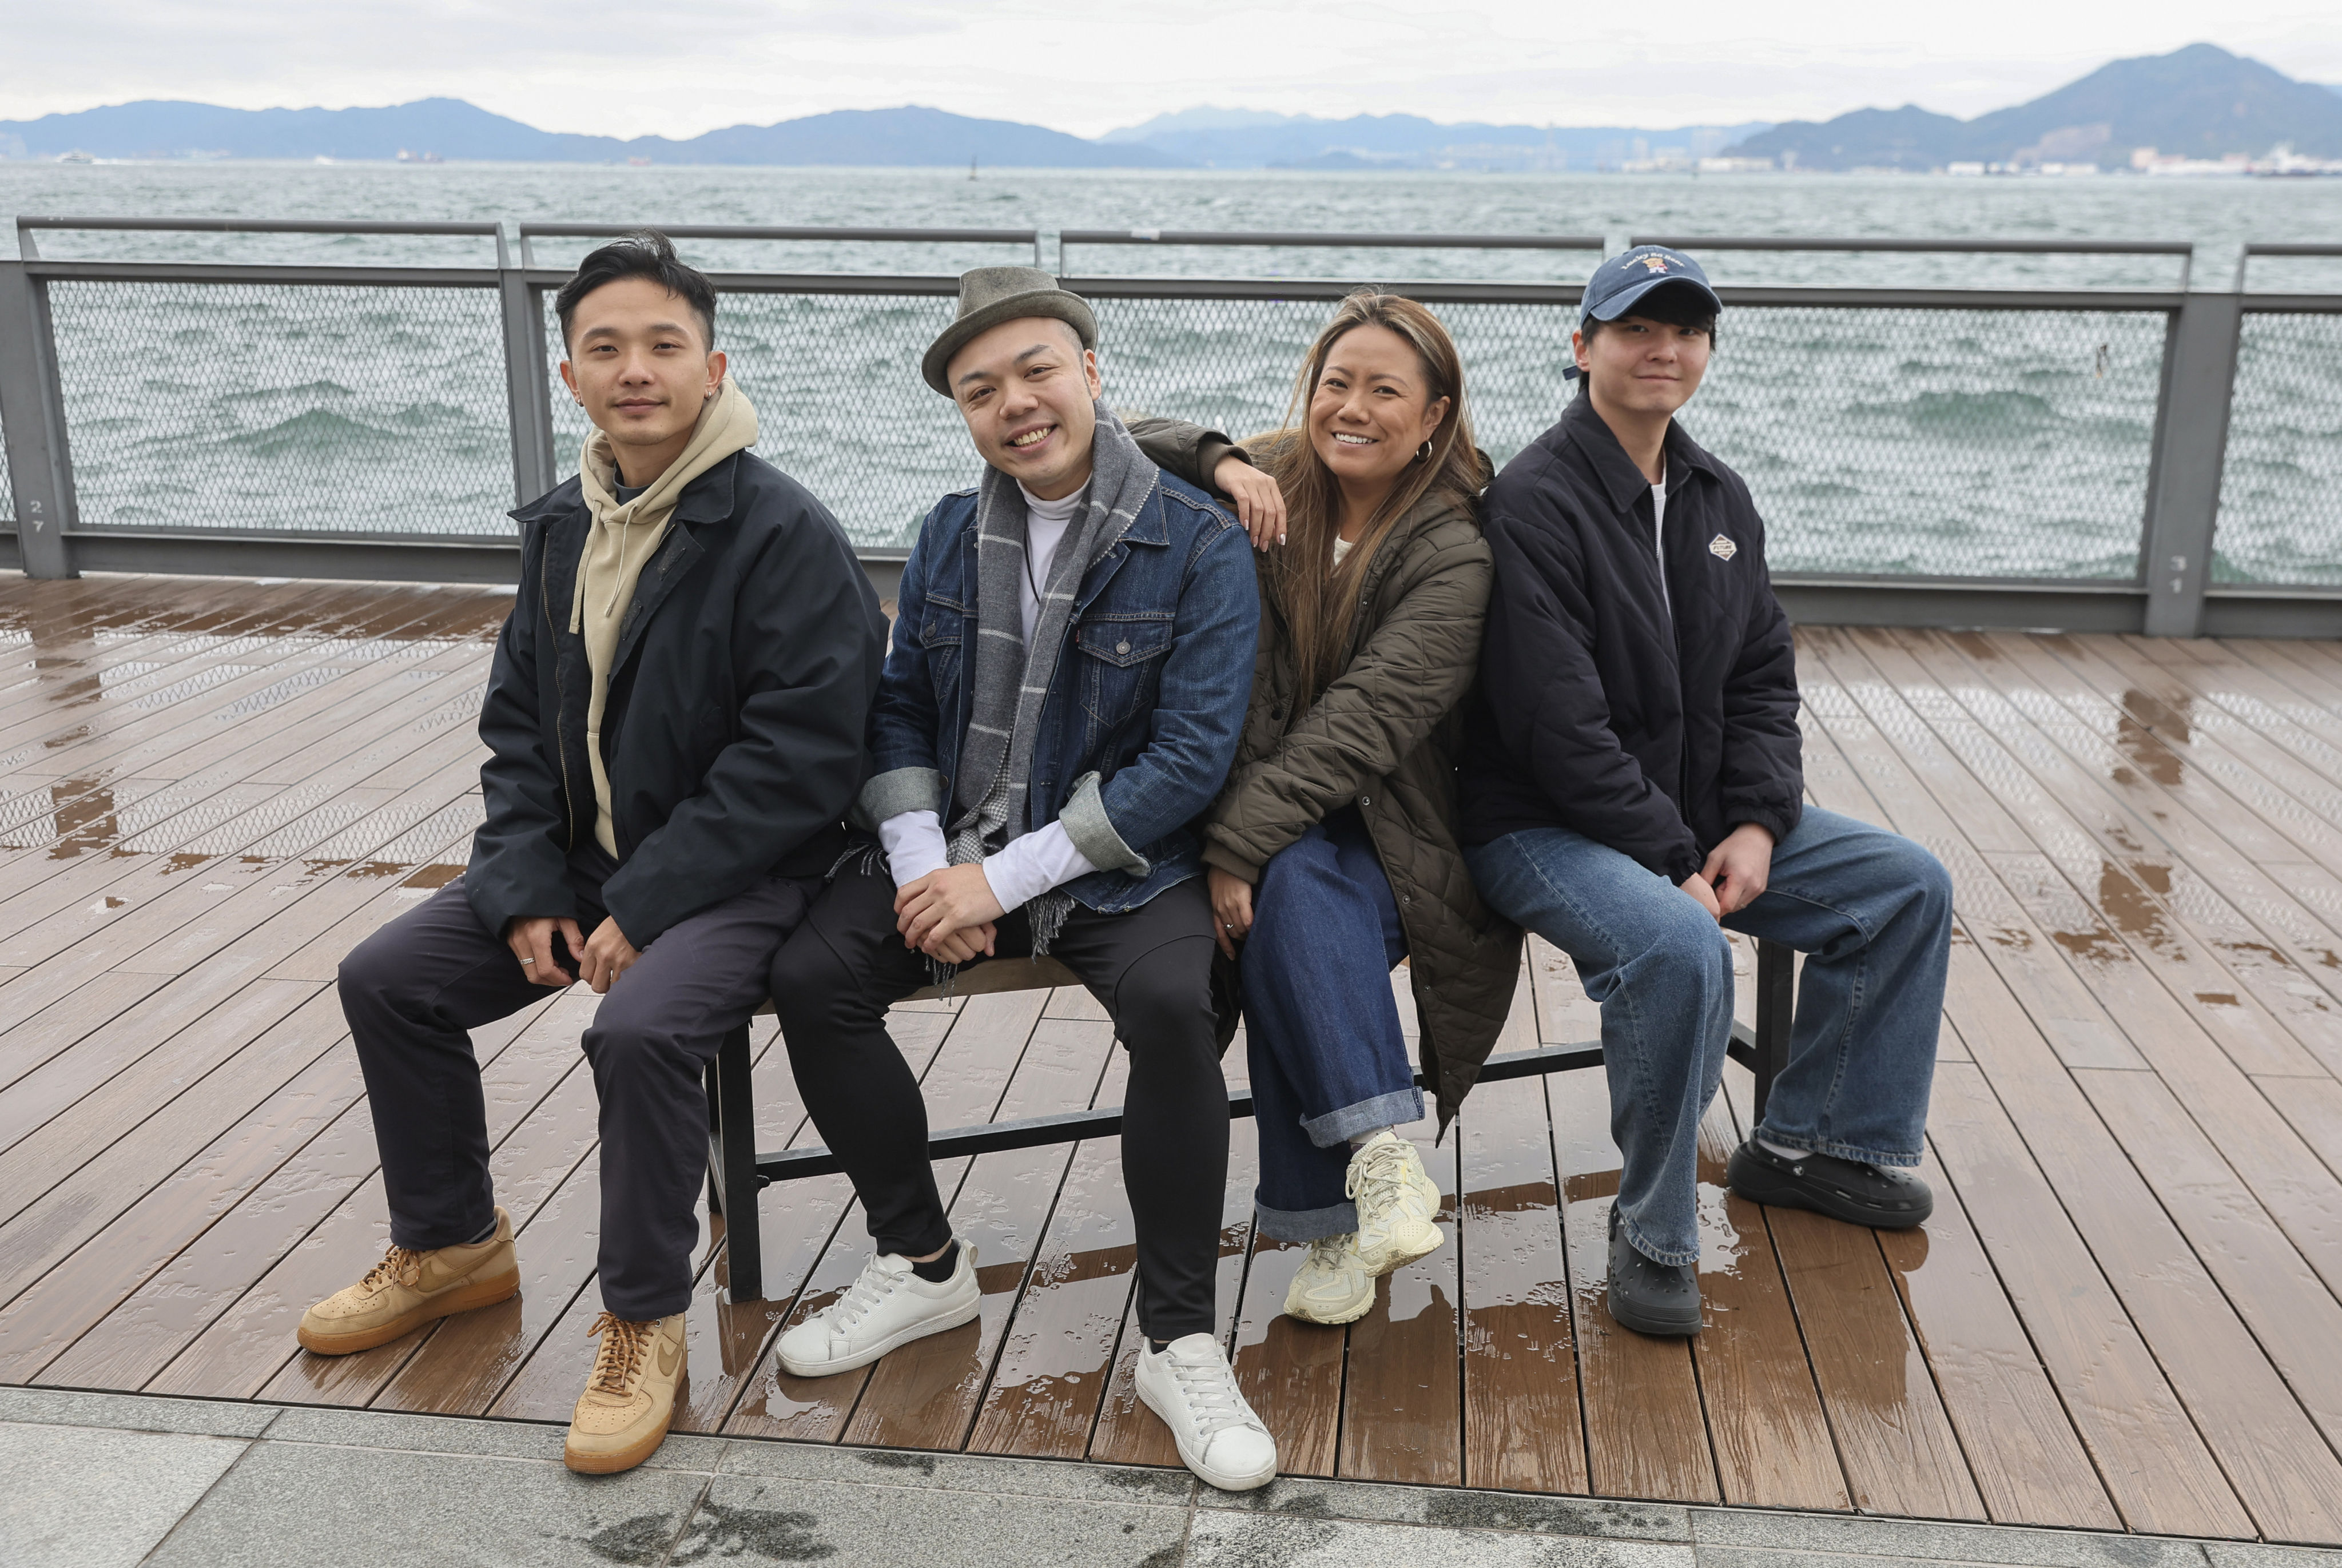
(1332, 848)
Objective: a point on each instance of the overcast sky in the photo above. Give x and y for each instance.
(628, 67)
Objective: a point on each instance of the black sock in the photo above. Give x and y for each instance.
(1158, 1345)
(938, 1269)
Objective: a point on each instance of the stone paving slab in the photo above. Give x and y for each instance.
(109, 1481)
(78, 1494)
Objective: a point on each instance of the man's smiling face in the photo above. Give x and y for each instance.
(1028, 391)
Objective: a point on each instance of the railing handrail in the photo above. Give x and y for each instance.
(1947, 246)
(1347, 241)
(488, 228)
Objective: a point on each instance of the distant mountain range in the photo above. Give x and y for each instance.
(451, 128)
(2200, 102)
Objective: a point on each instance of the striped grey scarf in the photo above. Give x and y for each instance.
(1011, 680)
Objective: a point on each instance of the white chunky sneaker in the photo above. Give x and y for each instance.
(1334, 1285)
(1395, 1203)
(1192, 1387)
(887, 1306)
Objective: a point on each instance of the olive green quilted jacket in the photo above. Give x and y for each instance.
(1382, 735)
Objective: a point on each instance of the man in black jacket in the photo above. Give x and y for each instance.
(675, 723)
(1632, 786)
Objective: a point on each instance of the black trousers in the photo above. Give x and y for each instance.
(1151, 968)
(414, 989)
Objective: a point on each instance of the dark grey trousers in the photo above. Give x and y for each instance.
(414, 989)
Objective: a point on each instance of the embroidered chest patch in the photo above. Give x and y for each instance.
(1722, 548)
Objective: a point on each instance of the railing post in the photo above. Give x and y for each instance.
(2191, 442)
(32, 411)
(525, 395)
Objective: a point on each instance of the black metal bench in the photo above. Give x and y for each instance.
(736, 1171)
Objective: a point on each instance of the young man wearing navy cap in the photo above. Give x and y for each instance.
(1632, 788)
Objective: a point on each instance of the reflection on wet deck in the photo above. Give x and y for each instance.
(2124, 1314)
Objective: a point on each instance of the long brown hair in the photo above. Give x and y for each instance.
(1319, 600)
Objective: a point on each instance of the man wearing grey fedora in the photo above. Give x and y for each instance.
(1070, 667)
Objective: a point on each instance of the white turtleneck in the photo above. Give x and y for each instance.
(1029, 866)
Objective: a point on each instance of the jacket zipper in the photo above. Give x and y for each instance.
(560, 742)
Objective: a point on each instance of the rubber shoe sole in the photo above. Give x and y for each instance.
(624, 1458)
(1226, 1482)
(896, 1340)
(467, 1298)
(1764, 1180)
(1417, 1239)
(1360, 1307)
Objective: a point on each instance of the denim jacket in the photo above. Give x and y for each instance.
(1143, 714)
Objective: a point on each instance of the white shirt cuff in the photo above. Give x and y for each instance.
(914, 842)
(1032, 865)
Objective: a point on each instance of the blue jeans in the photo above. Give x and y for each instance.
(1872, 912)
(1328, 1059)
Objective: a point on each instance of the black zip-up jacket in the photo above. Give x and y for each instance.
(733, 733)
(1653, 717)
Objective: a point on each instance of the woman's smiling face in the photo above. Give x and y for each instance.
(1371, 412)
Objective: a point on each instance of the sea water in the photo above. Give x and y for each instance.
(1995, 443)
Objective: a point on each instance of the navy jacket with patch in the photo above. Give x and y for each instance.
(1650, 712)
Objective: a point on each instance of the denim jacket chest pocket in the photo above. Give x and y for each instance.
(943, 628)
(1120, 659)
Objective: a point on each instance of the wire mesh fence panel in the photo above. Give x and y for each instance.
(2281, 485)
(1939, 443)
(840, 406)
(257, 408)
(7, 488)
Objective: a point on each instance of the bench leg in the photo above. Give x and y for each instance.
(1776, 1004)
(731, 1165)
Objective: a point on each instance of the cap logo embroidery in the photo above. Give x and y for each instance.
(1722, 548)
(1657, 263)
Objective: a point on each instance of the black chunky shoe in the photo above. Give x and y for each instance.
(1860, 1194)
(1648, 1296)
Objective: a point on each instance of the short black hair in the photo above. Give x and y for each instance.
(1672, 304)
(645, 253)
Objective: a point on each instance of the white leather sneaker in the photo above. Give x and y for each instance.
(1332, 1286)
(887, 1306)
(1192, 1387)
(1395, 1203)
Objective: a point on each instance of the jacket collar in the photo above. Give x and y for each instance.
(1621, 480)
(707, 499)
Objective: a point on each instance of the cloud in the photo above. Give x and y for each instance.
(619, 67)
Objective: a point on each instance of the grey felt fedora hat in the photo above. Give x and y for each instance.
(992, 295)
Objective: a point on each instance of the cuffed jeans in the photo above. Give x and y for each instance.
(414, 990)
(1328, 1059)
(1872, 912)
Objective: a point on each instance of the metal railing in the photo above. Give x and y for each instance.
(1964, 456)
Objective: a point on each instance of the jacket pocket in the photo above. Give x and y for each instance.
(1121, 664)
(941, 631)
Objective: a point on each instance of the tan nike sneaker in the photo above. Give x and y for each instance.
(408, 1289)
(621, 1418)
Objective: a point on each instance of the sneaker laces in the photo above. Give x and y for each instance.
(1379, 1175)
(1209, 1390)
(1325, 1252)
(862, 1297)
(623, 1345)
(403, 1265)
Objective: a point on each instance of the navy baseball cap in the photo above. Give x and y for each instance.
(1620, 283)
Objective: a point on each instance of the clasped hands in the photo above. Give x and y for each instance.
(1736, 871)
(600, 958)
(949, 915)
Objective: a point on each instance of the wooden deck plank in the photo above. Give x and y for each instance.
(1772, 1441)
(1402, 1391)
(1522, 1429)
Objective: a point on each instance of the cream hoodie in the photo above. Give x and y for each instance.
(620, 539)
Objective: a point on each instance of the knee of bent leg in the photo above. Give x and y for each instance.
(1686, 941)
(377, 972)
(1925, 876)
(1167, 995)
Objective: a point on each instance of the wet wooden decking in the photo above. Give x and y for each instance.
(2124, 1314)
